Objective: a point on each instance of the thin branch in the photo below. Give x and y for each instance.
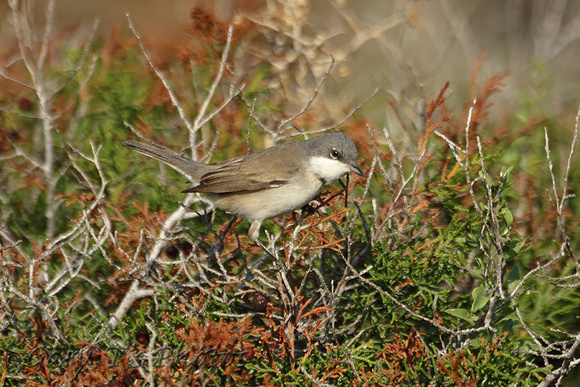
(283, 123)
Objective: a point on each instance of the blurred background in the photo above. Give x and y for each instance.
(406, 48)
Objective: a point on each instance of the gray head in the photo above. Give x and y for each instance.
(332, 156)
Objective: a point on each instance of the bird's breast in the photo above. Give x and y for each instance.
(271, 202)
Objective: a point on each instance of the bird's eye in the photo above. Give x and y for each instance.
(334, 153)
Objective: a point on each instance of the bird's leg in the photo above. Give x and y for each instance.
(307, 210)
(254, 232)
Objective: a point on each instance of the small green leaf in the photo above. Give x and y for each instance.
(505, 173)
(513, 278)
(462, 314)
(507, 325)
(508, 216)
(479, 298)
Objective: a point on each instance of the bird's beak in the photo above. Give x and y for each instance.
(356, 170)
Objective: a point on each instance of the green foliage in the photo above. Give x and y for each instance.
(413, 287)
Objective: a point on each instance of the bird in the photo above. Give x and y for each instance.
(267, 184)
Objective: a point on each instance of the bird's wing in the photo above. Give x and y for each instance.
(255, 172)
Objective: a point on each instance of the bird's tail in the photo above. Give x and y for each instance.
(190, 168)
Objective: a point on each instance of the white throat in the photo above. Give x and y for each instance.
(328, 170)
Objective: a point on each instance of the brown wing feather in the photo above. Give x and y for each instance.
(266, 169)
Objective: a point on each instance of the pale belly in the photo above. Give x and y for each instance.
(269, 203)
